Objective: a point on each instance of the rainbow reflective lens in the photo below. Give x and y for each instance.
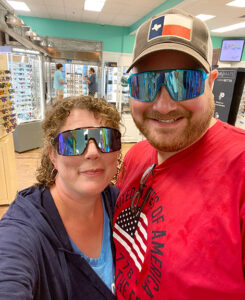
(181, 84)
(74, 142)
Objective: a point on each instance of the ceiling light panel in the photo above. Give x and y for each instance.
(19, 6)
(230, 28)
(237, 3)
(205, 17)
(94, 5)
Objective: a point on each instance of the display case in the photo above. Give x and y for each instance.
(73, 73)
(7, 101)
(112, 76)
(8, 176)
(124, 91)
(116, 91)
(26, 69)
(76, 85)
(27, 83)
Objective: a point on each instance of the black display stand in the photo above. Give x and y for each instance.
(228, 88)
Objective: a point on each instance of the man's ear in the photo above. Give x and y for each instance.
(52, 155)
(212, 76)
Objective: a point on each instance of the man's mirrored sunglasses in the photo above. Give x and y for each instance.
(181, 84)
(74, 142)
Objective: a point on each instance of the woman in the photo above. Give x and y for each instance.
(55, 239)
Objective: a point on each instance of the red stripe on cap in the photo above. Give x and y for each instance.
(177, 30)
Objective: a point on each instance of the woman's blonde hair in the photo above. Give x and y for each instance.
(55, 119)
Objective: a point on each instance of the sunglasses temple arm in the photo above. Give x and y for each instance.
(146, 197)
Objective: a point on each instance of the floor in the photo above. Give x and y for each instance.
(26, 165)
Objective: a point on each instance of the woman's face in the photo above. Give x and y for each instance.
(87, 174)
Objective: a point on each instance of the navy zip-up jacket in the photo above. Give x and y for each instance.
(36, 258)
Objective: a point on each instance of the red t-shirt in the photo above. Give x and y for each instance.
(188, 242)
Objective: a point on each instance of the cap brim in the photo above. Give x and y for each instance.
(174, 47)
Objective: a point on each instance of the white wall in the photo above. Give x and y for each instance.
(122, 59)
(240, 64)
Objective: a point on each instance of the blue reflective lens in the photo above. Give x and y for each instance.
(74, 142)
(181, 84)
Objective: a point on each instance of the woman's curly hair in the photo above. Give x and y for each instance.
(55, 119)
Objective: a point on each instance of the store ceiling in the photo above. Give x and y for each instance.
(127, 12)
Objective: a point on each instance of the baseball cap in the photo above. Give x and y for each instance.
(175, 30)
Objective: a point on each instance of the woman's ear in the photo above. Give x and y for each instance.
(212, 76)
(52, 155)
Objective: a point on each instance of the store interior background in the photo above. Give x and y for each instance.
(105, 41)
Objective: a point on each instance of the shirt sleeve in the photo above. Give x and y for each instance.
(18, 267)
(92, 79)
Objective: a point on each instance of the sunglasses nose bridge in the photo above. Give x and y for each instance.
(163, 95)
(91, 149)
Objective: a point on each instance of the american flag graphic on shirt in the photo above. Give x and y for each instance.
(131, 232)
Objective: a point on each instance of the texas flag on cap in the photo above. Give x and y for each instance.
(171, 25)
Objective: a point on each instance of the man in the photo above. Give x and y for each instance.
(91, 81)
(179, 219)
(59, 82)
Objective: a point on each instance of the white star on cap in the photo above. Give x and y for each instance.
(156, 27)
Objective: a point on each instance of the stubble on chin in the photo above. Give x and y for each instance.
(193, 131)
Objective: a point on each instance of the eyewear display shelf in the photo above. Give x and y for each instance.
(8, 176)
(73, 75)
(112, 84)
(27, 83)
(75, 85)
(117, 92)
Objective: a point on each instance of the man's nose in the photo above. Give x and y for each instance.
(164, 102)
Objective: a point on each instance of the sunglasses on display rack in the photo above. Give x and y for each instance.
(6, 110)
(182, 84)
(5, 78)
(10, 123)
(4, 72)
(4, 99)
(74, 142)
(5, 84)
(5, 118)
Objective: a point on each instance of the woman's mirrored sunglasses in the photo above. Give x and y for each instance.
(74, 142)
(181, 84)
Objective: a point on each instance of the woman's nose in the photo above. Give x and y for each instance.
(91, 150)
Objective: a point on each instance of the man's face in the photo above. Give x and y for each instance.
(169, 125)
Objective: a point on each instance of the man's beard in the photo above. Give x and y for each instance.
(193, 131)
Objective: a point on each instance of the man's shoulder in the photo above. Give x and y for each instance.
(139, 147)
(231, 133)
(139, 153)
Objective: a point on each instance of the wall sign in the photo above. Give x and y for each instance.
(223, 92)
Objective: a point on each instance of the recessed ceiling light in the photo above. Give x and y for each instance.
(205, 17)
(94, 5)
(230, 28)
(237, 3)
(19, 5)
